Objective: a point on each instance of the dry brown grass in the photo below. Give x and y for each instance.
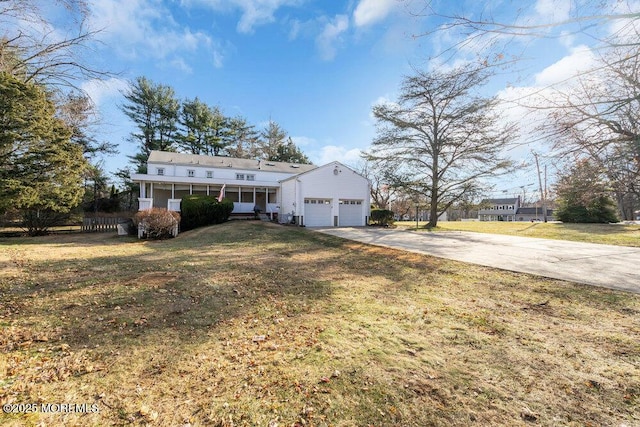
(610, 234)
(255, 324)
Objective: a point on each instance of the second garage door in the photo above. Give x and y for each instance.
(351, 213)
(317, 212)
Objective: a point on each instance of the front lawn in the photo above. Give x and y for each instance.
(611, 234)
(254, 324)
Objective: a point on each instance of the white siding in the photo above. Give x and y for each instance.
(324, 183)
(228, 175)
(287, 201)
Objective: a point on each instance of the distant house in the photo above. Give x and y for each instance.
(533, 214)
(499, 209)
(329, 195)
(510, 210)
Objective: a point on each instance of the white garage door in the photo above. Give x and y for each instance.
(317, 212)
(350, 213)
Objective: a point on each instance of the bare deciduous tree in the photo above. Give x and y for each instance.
(34, 50)
(441, 140)
(486, 28)
(600, 119)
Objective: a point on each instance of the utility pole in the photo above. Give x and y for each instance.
(542, 194)
(545, 193)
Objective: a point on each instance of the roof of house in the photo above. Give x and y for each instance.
(227, 162)
(511, 201)
(335, 164)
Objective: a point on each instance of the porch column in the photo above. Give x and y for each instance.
(173, 191)
(191, 189)
(207, 189)
(143, 190)
(151, 189)
(266, 203)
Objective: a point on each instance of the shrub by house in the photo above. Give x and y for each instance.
(199, 210)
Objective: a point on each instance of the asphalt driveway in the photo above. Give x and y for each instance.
(614, 267)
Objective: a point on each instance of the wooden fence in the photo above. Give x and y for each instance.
(101, 224)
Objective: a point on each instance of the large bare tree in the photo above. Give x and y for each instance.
(600, 119)
(503, 31)
(34, 49)
(440, 140)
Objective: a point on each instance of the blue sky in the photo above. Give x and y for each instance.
(315, 67)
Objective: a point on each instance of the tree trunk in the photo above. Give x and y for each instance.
(621, 206)
(433, 211)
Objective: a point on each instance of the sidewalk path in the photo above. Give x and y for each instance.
(614, 267)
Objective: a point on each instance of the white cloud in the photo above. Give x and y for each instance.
(295, 29)
(303, 141)
(181, 65)
(330, 153)
(101, 90)
(145, 28)
(330, 36)
(580, 60)
(253, 12)
(553, 10)
(371, 11)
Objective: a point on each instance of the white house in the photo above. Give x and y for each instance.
(309, 195)
(330, 195)
(499, 209)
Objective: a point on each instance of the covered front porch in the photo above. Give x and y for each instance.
(244, 198)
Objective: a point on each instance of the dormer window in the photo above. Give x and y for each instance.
(240, 176)
(209, 174)
(160, 171)
(251, 177)
(191, 173)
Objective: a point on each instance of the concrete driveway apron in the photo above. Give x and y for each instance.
(614, 267)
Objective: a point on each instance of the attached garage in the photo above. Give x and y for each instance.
(332, 195)
(350, 213)
(317, 213)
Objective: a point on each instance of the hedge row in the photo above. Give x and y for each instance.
(198, 211)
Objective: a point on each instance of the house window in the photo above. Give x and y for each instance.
(209, 174)
(232, 194)
(251, 177)
(272, 197)
(246, 196)
(191, 173)
(160, 171)
(240, 176)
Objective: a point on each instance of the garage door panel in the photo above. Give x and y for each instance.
(317, 213)
(351, 213)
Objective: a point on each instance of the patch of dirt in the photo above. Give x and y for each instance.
(155, 279)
